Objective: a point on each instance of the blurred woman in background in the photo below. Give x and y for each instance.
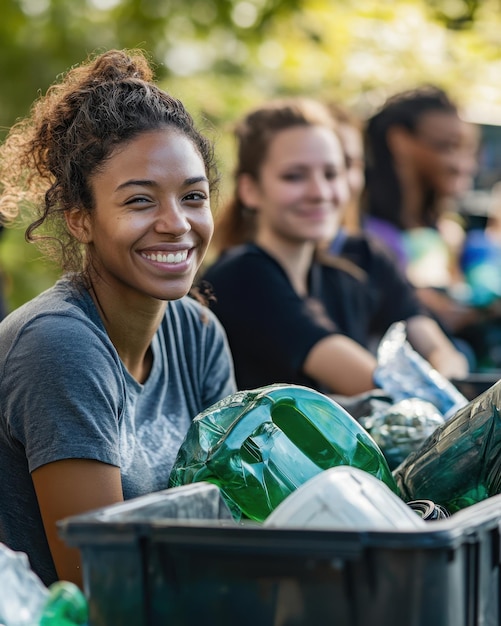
(415, 163)
(386, 279)
(420, 158)
(293, 312)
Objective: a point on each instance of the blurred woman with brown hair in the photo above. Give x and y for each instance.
(294, 313)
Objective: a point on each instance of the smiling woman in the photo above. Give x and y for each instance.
(101, 375)
(303, 315)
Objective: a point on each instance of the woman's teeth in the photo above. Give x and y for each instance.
(161, 257)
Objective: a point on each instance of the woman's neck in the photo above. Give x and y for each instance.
(413, 197)
(295, 258)
(130, 327)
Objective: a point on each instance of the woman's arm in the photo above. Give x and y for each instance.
(427, 338)
(341, 364)
(454, 315)
(70, 487)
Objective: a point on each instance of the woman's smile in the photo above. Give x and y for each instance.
(175, 261)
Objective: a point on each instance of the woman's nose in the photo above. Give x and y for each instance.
(171, 219)
(331, 189)
(320, 187)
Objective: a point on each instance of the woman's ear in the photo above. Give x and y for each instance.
(399, 140)
(78, 222)
(248, 191)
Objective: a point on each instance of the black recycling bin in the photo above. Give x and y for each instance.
(152, 561)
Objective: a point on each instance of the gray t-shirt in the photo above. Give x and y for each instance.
(64, 393)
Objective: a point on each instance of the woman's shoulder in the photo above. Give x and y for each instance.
(65, 297)
(237, 256)
(365, 249)
(54, 333)
(338, 265)
(240, 265)
(61, 313)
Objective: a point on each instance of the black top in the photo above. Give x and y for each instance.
(271, 329)
(390, 289)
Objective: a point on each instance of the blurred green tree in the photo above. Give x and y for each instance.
(222, 56)
(39, 39)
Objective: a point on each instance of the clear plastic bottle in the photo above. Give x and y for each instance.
(26, 601)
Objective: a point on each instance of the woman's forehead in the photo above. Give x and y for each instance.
(440, 122)
(302, 142)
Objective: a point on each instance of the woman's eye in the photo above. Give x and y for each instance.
(196, 196)
(138, 200)
(292, 177)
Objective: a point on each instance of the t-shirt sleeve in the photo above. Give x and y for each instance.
(66, 394)
(218, 374)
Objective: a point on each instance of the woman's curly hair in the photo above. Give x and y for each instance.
(48, 157)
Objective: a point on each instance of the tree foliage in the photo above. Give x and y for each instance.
(279, 45)
(222, 56)
(39, 39)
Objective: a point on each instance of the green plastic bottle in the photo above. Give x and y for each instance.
(258, 446)
(460, 463)
(66, 606)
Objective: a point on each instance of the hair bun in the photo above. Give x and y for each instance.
(116, 65)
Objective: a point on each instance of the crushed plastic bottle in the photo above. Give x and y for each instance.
(403, 373)
(460, 464)
(258, 446)
(402, 427)
(22, 593)
(26, 601)
(65, 606)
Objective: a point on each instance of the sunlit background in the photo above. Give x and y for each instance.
(222, 56)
